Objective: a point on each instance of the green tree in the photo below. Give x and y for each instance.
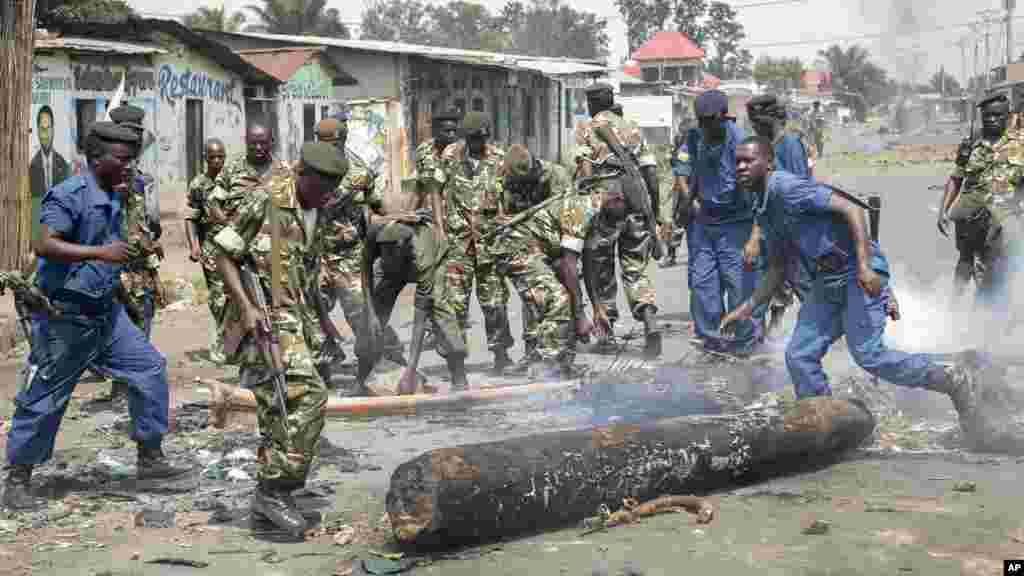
(858, 82)
(103, 11)
(724, 33)
(781, 74)
(297, 18)
(215, 19)
(944, 83)
(397, 21)
(551, 28)
(465, 25)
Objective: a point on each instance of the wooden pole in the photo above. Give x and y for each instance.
(476, 493)
(17, 29)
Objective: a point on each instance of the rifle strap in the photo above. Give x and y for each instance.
(275, 254)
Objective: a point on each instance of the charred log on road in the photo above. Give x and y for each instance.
(483, 492)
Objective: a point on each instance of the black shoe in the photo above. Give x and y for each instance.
(153, 465)
(18, 489)
(501, 362)
(278, 507)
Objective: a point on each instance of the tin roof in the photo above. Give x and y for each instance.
(667, 45)
(45, 41)
(544, 65)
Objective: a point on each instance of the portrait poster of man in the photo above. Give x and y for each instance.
(48, 166)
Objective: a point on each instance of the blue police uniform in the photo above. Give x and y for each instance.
(92, 329)
(794, 214)
(715, 241)
(790, 156)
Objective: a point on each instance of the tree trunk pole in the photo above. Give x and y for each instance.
(17, 30)
(483, 492)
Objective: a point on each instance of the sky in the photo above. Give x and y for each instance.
(910, 38)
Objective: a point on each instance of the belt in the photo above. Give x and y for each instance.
(84, 308)
(831, 263)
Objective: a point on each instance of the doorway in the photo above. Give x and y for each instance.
(194, 139)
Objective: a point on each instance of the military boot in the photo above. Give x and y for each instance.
(152, 464)
(652, 333)
(18, 488)
(501, 362)
(457, 370)
(530, 357)
(275, 504)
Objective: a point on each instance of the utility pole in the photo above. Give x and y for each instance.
(1009, 6)
(17, 31)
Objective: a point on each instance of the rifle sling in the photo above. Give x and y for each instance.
(275, 255)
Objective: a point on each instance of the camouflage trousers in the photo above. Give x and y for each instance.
(342, 283)
(547, 311)
(465, 264)
(145, 296)
(216, 299)
(288, 447)
(631, 240)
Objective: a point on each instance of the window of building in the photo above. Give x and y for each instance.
(325, 111)
(670, 74)
(478, 83)
(308, 122)
(460, 105)
(478, 104)
(85, 114)
(459, 83)
(650, 74)
(568, 106)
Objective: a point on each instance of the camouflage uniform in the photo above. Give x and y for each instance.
(630, 234)
(199, 192)
(230, 192)
(288, 447)
(343, 230)
(989, 178)
(141, 277)
(472, 198)
(527, 251)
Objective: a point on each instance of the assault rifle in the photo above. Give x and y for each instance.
(27, 299)
(266, 339)
(638, 196)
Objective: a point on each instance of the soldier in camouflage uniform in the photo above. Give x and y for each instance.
(631, 237)
(470, 180)
(240, 174)
(200, 249)
(141, 277)
(537, 248)
(986, 186)
(289, 444)
(344, 221)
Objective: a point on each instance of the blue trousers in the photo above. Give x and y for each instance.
(715, 268)
(64, 348)
(838, 306)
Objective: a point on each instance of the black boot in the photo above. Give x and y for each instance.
(275, 504)
(18, 488)
(652, 333)
(501, 362)
(457, 369)
(152, 464)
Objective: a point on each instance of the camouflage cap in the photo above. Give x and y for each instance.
(327, 129)
(993, 100)
(324, 158)
(111, 132)
(476, 123)
(518, 161)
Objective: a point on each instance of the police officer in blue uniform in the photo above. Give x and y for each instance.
(81, 254)
(680, 163)
(719, 229)
(849, 295)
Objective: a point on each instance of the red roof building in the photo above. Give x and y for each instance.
(814, 82)
(667, 57)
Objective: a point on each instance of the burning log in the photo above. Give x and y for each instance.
(483, 492)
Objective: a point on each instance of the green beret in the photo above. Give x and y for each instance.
(447, 114)
(324, 158)
(128, 115)
(994, 100)
(110, 132)
(518, 161)
(476, 123)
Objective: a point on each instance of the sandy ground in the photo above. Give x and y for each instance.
(889, 509)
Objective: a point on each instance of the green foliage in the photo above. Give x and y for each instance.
(857, 81)
(214, 19)
(297, 18)
(100, 11)
(781, 74)
(542, 28)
